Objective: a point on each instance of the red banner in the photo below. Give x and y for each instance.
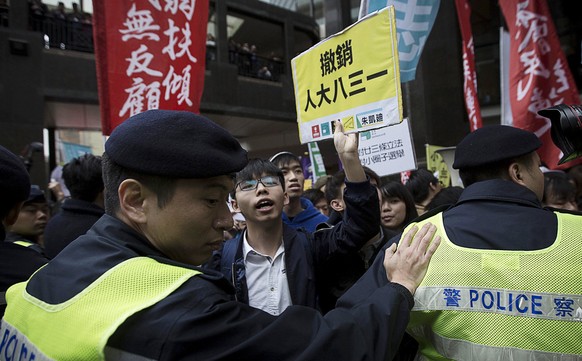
(539, 76)
(470, 82)
(150, 54)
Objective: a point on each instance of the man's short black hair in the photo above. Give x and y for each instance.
(419, 182)
(83, 177)
(334, 184)
(284, 158)
(257, 168)
(447, 196)
(314, 195)
(114, 174)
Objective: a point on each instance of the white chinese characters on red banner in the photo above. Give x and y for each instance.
(539, 74)
(470, 77)
(150, 54)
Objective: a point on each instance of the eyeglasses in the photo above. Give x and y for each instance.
(252, 184)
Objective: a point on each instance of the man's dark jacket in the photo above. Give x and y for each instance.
(17, 264)
(74, 219)
(306, 253)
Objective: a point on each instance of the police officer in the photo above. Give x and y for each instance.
(17, 263)
(31, 222)
(131, 287)
(505, 283)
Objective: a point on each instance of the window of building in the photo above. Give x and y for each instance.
(256, 45)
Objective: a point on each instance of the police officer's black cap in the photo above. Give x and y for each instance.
(492, 144)
(14, 179)
(175, 144)
(36, 195)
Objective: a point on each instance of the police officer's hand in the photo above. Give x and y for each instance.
(407, 263)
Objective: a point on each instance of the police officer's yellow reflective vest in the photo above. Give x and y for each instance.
(24, 243)
(79, 328)
(502, 305)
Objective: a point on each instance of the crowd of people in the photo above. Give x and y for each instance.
(251, 64)
(180, 247)
(63, 28)
(40, 11)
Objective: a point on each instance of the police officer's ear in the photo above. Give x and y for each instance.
(515, 172)
(133, 200)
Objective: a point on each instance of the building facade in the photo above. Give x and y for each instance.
(48, 83)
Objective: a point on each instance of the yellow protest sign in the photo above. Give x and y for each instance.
(353, 76)
(437, 165)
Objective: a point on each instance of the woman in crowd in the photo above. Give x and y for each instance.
(397, 206)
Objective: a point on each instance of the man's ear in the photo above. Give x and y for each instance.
(132, 200)
(515, 172)
(234, 205)
(12, 215)
(337, 205)
(285, 198)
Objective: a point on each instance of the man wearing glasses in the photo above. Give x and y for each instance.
(273, 265)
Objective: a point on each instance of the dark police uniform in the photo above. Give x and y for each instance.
(197, 319)
(201, 320)
(500, 227)
(499, 214)
(22, 241)
(17, 263)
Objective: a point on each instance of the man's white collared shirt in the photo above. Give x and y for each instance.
(266, 279)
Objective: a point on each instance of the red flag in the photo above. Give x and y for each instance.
(470, 82)
(539, 76)
(149, 55)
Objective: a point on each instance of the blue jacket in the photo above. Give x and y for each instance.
(308, 218)
(308, 254)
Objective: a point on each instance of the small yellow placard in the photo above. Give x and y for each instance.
(436, 164)
(353, 76)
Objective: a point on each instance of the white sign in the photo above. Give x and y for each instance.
(388, 150)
